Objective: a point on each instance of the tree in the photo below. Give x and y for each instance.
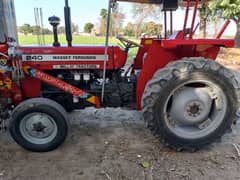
(151, 28)
(103, 13)
(47, 31)
(216, 20)
(74, 28)
(229, 9)
(204, 13)
(141, 12)
(117, 18)
(88, 27)
(103, 21)
(25, 29)
(129, 29)
(158, 29)
(116, 22)
(36, 30)
(61, 30)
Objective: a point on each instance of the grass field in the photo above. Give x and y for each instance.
(32, 40)
(77, 40)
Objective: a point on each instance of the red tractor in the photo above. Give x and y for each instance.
(187, 99)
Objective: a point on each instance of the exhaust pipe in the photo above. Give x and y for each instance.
(68, 23)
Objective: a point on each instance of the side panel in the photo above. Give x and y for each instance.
(82, 57)
(31, 87)
(138, 61)
(54, 82)
(157, 58)
(4, 48)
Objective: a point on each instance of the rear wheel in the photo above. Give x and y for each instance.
(190, 103)
(39, 124)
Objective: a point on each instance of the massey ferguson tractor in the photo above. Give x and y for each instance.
(187, 99)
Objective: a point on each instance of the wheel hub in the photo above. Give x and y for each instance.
(38, 127)
(194, 109)
(191, 106)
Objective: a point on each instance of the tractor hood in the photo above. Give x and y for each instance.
(8, 27)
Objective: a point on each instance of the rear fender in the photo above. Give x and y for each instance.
(159, 56)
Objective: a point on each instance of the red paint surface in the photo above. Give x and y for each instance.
(116, 57)
(173, 43)
(58, 83)
(161, 52)
(138, 61)
(223, 29)
(31, 87)
(3, 48)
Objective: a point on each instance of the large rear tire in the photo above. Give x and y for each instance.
(39, 124)
(191, 103)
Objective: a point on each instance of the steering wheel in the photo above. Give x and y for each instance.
(128, 43)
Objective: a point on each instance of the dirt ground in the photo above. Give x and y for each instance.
(113, 144)
(230, 58)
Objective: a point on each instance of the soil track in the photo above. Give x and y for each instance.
(113, 144)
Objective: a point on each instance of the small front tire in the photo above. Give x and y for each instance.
(39, 125)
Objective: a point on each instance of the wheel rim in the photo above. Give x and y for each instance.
(195, 109)
(38, 128)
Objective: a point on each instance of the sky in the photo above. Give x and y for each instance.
(83, 11)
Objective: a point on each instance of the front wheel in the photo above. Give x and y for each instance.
(39, 125)
(190, 103)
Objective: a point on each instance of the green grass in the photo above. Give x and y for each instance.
(77, 40)
(32, 40)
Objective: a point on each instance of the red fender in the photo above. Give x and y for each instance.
(157, 58)
(161, 52)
